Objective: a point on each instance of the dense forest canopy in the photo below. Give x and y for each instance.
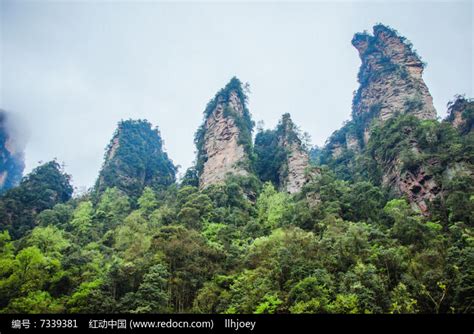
(46, 186)
(338, 246)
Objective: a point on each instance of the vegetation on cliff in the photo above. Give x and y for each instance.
(356, 249)
(242, 120)
(135, 159)
(273, 148)
(46, 186)
(461, 114)
(409, 145)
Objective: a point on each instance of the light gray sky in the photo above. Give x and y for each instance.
(72, 70)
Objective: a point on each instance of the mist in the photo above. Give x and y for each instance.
(13, 139)
(16, 129)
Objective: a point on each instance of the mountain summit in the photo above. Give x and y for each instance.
(390, 77)
(224, 140)
(135, 159)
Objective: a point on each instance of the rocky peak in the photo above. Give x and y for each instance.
(224, 140)
(391, 92)
(391, 84)
(11, 152)
(390, 78)
(135, 159)
(386, 42)
(293, 173)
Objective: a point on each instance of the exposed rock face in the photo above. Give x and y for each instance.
(418, 186)
(416, 183)
(221, 147)
(135, 159)
(352, 143)
(298, 161)
(457, 118)
(390, 78)
(460, 114)
(391, 83)
(11, 153)
(221, 144)
(114, 147)
(294, 175)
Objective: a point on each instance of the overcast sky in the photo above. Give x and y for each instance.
(72, 70)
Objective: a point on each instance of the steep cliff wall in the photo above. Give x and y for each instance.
(416, 181)
(224, 139)
(281, 157)
(390, 78)
(294, 169)
(391, 85)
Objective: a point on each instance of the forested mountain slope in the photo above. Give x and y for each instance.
(379, 220)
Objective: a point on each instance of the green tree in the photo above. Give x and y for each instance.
(59, 215)
(50, 240)
(153, 294)
(402, 302)
(312, 293)
(269, 305)
(46, 186)
(82, 220)
(271, 206)
(112, 208)
(344, 304)
(407, 226)
(35, 302)
(147, 201)
(191, 263)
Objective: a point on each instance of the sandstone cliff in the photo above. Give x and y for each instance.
(417, 184)
(390, 79)
(11, 153)
(293, 172)
(224, 139)
(391, 85)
